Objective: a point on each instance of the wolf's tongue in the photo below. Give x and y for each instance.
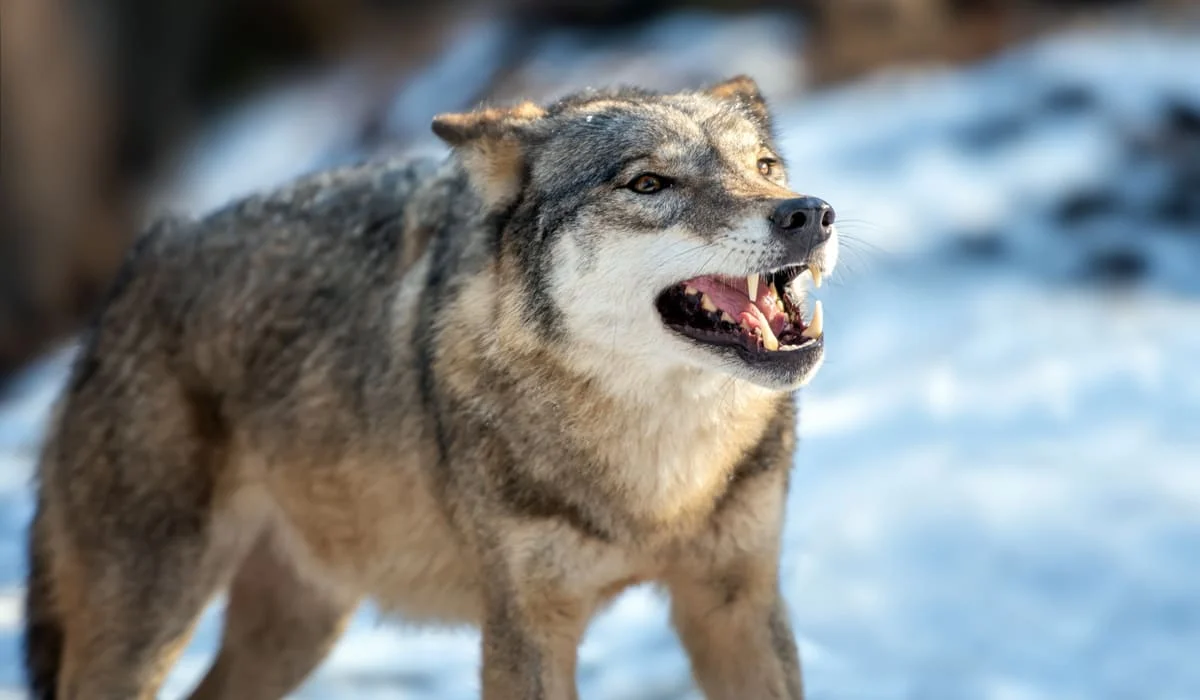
(730, 295)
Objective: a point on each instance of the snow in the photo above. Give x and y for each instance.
(997, 495)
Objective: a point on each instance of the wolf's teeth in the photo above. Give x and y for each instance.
(707, 304)
(768, 339)
(689, 290)
(775, 292)
(816, 326)
(816, 275)
(752, 286)
(726, 317)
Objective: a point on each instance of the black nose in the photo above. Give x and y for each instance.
(809, 217)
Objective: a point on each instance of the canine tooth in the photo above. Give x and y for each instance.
(752, 286)
(775, 292)
(816, 275)
(707, 304)
(769, 341)
(817, 325)
(689, 289)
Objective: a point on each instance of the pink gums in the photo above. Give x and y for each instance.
(730, 294)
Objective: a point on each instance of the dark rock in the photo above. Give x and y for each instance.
(1180, 207)
(1183, 119)
(982, 245)
(1117, 266)
(1069, 99)
(993, 132)
(1086, 205)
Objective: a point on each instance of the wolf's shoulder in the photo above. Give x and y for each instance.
(337, 198)
(354, 215)
(341, 233)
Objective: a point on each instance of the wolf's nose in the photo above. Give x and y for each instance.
(804, 216)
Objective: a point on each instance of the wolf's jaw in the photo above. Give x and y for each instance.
(749, 312)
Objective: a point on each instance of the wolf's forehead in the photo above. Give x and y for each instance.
(666, 130)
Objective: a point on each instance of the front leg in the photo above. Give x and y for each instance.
(737, 634)
(529, 649)
(538, 600)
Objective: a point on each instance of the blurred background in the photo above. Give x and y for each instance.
(997, 495)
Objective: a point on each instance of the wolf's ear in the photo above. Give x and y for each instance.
(744, 91)
(489, 143)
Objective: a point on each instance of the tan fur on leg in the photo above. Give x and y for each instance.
(125, 630)
(739, 641)
(278, 627)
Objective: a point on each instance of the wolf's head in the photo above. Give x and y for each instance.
(650, 231)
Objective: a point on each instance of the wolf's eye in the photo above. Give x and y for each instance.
(648, 183)
(766, 166)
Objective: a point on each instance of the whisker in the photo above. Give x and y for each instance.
(859, 222)
(855, 243)
(686, 251)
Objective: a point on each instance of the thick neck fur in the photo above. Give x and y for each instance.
(660, 442)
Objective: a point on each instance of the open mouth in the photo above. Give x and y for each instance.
(761, 314)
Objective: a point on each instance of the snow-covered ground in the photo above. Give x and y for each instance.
(998, 492)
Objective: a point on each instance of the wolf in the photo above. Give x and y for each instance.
(498, 389)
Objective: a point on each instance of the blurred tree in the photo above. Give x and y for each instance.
(63, 214)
